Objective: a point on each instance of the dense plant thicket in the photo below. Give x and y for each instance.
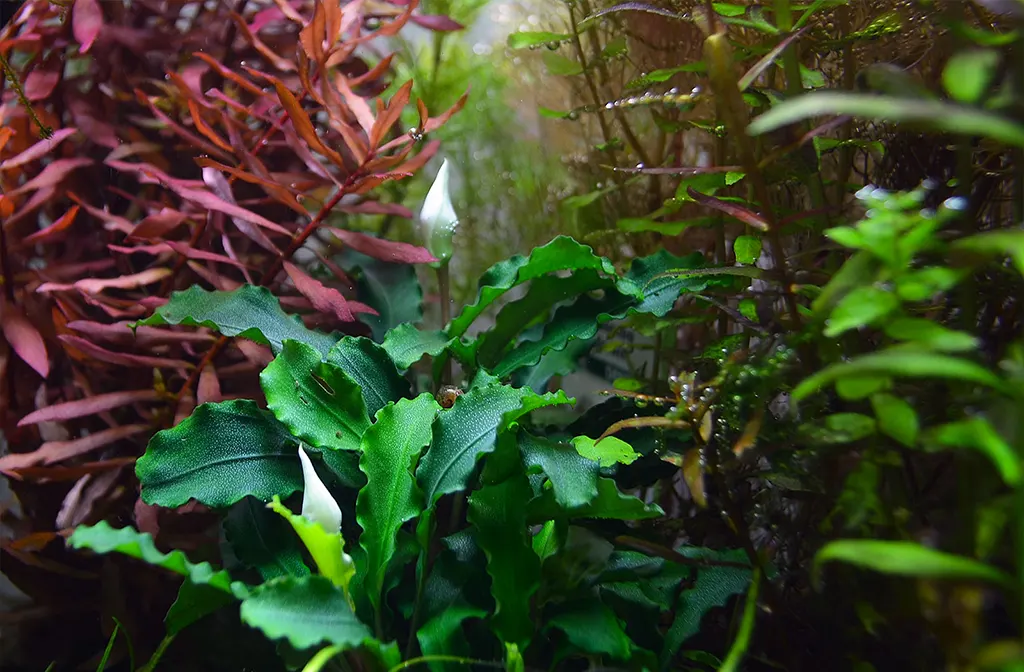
(812, 459)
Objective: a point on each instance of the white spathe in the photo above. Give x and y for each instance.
(437, 217)
(318, 505)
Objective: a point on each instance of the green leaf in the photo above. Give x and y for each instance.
(316, 400)
(498, 512)
(542, 295)
(996, 243)
(573, 478)
(747, 249)
(980, 435)
(896, 418)
(854, 388)
(261, 540)
(371, 367)
(860, 308)
(577, 321)
(392, 289)
(728, 9)
(406, 344)
(657, 76)
(390, 449)
(901, 361)
(194, 602)
(306, 611)
(591, 627)
(608, 451)
(469, 429)
(559, 65)
(713, 587)
(220, 454)
(906, 558)
(609, 504)
(932, 114)
(528, 39)
(661, 290)
(326, 548)
(249, 311)
(929, 334)
(102, 538)
(844, 428)
(561, 254)
(552, 363)
(969, 74)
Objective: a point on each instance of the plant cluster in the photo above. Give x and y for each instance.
(819, 462)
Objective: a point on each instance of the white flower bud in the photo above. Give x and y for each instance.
(438, 218)
(318, 505)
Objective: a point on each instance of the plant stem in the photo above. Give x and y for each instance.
(155, 658)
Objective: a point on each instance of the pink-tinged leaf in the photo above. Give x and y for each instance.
(208, 389)
(222, 189)
(385, 250)
(123, 358)
(40, 84)
(735, 210)
(52, 175)
(88, 406)
(120, 332)
(373, 181)
(38, 200)
(86, 22)
(278, 191)
(218, 281)
(52, 452)
(360, 307)
(360, 108)
(324, 299)
(61, 474)
(39, 149)
(111, 222)
(97, 285)
(212, 202)
(25, 339)
(54, 231)
(259, 355)
(130, 149)
(84, 116)
(432, 124)
(437, 22)
(178, 247)
(158, 224)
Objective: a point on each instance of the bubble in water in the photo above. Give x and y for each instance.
(573, 115)
(957, 203)
(554, 45)
(696, 91)
(639, 166)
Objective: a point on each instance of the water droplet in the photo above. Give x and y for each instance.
(553, 46)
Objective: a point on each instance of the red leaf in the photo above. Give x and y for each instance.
(86, 22)
(88, 406)
(49, 234)
(391, 114)
(40, 84)
(158, 224)
(742, 213)
(97, 285)
(212, 202)
(120, 332)
(373, 181)
(303, 126)
(220, 186)
(25, 339)
(437, 22)
(52, 175)
(40, 149)
(324, 299)
(208, 389)
(385, 250)
(57, 451)
(123, 358)
(60, 474)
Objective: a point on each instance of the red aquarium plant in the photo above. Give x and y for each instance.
(147, 147)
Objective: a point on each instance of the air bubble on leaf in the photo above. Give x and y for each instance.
(573, 115)
(553, 46)
(639, 166)
(696, 91)
(956, 203)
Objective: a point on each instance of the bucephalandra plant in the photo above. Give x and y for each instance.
(381, 462)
